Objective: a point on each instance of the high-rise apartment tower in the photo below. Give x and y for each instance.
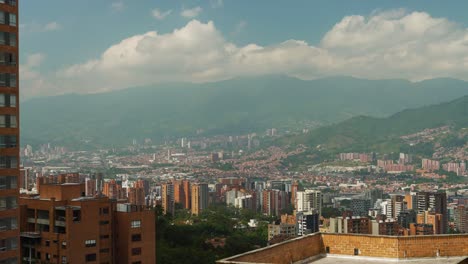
(9, 132)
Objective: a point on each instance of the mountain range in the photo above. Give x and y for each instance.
(233, 106)
(383, 135)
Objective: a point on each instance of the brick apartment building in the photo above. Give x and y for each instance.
(62, 225)
(9, 132)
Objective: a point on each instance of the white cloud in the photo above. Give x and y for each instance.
(191, 13)
(394, 44)
(33, 83)
(160, 15)
(239, 27)
(35, 27)
(217, 3)
(52, 26)
(117, 6)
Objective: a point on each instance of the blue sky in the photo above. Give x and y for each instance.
(62, 42)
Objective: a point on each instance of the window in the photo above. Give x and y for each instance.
(8, 223)
(7, 79)
(64, 244)
(136, 251)
(8, 182)
(104, 250)
(13, 260)
(90, 257)
(104, 237)
(8, 202)
(90, 243)
(135, 224)
(7, 19)
(8, 162)
(8, 59)
(12, 39)
(104, 222)
(47, 243)
(104, 211)
(8, 121)
(7, 100)
(8, 38)
(136, 237)
(8, 2)
(12, 80)
(327, 250)
(12, 19)
(7, 141)
(356, 251)
(64, 259)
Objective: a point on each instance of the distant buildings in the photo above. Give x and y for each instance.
(430, 165)
(199, 198)
(390, 167)
(362, 157)
(458, 167)
(309, 200)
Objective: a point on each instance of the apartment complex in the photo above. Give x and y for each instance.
(199, 197)
(62, 225)
(9, 132)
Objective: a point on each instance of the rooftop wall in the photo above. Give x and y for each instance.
(286, 252)
(398, 247)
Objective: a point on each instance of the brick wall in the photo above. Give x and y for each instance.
(367, 246)
(428, 246)
(286, 252)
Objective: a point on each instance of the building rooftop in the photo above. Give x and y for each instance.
(359, 248)
(332, 259)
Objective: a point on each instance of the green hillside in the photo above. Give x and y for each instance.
(226, 107)
(383, 134)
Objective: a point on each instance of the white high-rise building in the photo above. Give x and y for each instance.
(309, 200)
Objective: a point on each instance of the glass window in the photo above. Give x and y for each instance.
(12, 100)
(12, 79)
(8, 223)
(13, 123)
(8, 121)
(7, 202)
(8, 182)
(136, 251)
(7, 58)
(12, 19)
(90, 257)
(12, 39)
(11, 58)
(90, 243)
(2, 17)
(7, 79)
(8, 162)
(136, 237)
(135, 224)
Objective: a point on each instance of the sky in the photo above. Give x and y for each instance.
(90, 46)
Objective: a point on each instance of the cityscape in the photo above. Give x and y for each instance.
(248, 159)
